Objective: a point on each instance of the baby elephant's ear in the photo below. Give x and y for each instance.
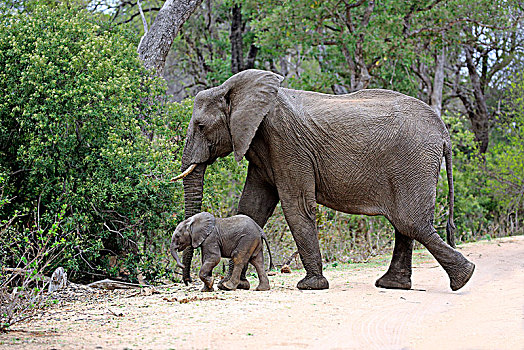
(200, 226)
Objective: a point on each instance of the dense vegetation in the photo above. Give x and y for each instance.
(89, 140)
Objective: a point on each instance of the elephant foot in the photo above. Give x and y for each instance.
(263, 287)
(207, 289)
(461, 276)
(221, 283)
(394, 281)
(244, 284)
(313, 282)
(227, 285)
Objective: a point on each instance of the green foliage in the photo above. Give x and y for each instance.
(90, 140)
(85, 128)
(203, 48)
(224, 183)
(348, 44)
(22, 288)
(505, 160)
(472, 213)
(351, 238)
(488, 191)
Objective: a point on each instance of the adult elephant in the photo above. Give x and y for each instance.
(372, 152)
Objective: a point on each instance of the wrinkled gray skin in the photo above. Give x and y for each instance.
(372, 152)
(237, 237)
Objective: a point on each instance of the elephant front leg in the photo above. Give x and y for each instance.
(259, 198)
(304, 232)
(206, 274)
(398, 275)
(258, 201)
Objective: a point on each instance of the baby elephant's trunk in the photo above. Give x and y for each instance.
(173, 249)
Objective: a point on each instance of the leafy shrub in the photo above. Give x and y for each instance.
(85, 128)
(22, 287)
(472, 212)
(505, 162)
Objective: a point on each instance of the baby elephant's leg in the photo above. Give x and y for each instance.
(244, 283)
(206, 273)
(239, 262)
(258, 262)
(240, 257)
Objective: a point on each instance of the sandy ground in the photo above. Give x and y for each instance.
(488, 313)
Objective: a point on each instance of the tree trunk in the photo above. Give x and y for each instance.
(363, 76)
(438, 83)
(480, 117)
(155, 44)
(237, 55)
(251, 56)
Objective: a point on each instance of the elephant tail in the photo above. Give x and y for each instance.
(450, 227)
(271, 266)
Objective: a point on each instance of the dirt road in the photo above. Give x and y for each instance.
(488, 313)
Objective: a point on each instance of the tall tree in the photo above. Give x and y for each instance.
(470, 48)
(236, 37)
(486, 52)
(156, 43)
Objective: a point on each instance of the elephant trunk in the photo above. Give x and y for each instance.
(193, 191)
(173, 250)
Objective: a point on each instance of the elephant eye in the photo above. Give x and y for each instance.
(201, 127)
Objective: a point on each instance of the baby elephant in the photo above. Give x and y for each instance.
(237, 237)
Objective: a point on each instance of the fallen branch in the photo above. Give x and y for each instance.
(112, 285)
(186, 300)
(288, 261)
(120, 314)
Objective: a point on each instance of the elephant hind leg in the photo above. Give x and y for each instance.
(458, 268)
(258, 262)
(240, 259)
(398, 275)
(243, 284)
(233, 282)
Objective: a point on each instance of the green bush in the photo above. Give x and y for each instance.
(85, 128)
(505, 162)
(472, 214)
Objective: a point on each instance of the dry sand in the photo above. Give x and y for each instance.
(488, 313)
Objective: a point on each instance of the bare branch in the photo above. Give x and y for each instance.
(136, 14)
(451, 24)
(155, 45)
(367, 15)
(353, 5)
(144, 22)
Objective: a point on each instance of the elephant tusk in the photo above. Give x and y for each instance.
(185, 173)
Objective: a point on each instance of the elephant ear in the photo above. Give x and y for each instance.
(251, 94)
(200, 226)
